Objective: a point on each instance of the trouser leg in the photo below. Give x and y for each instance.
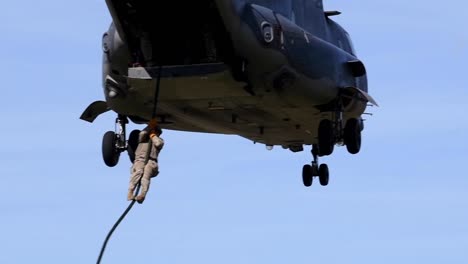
(151, 170)
(137, 173)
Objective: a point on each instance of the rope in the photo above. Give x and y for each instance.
(130, 206)
(103, 248)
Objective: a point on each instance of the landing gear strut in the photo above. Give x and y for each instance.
(114, 143)
(309, 171)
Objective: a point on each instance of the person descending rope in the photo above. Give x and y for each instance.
(141, 171)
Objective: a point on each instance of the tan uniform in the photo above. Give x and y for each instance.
(139, 170)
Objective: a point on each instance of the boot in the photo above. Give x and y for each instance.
(140, 198)
(130, 196)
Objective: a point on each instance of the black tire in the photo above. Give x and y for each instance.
(352, 136)
(133, 144)
(109, 152)
(324, 174)
(307, 177)
(326, 139)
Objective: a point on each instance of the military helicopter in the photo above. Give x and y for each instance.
(276, 72)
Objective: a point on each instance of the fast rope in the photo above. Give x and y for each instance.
(156, 96)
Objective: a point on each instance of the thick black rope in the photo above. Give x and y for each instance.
(103, 248)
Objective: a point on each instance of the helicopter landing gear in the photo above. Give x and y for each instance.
(326, 137)
(132, 144)
(352, 135)
(114, 143)
(336, 132)
(309, 171)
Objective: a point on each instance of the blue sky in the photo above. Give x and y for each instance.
(222, 199)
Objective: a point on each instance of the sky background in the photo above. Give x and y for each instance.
(223, 199)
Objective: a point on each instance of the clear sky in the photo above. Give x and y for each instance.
(222, 199)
